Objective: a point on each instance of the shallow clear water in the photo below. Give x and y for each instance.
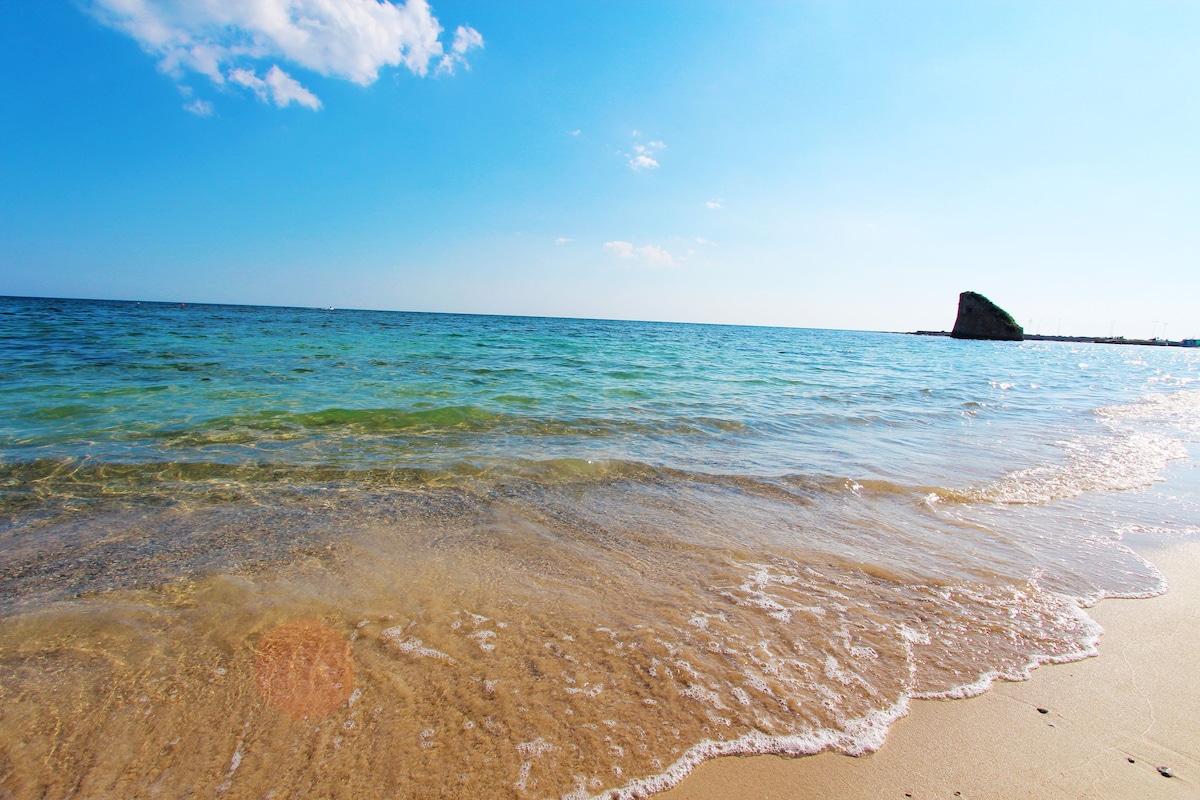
(359, 554)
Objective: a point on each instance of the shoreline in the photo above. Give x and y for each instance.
(1135, 700)
(1037, 337)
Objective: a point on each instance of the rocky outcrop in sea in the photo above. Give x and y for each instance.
(980, 318)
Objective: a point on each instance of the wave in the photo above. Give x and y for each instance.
(1122, 460)
(603, 648)
(433, 421)
(1092, 464)
(42, 482)
(362, 426)
(1178, 410)
(1141, 439)
(648, 618)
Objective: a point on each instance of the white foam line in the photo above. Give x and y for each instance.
(1132, 460)
(859, 736)
(1091, 647)
(863, 735)
(1158, 530)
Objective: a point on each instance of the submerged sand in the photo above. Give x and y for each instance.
(1110, 723)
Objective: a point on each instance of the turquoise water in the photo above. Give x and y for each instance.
(119, 382)
(585, 554)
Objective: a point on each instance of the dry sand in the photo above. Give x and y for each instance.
(1112, 721)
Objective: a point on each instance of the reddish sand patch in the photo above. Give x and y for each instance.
(305, 668)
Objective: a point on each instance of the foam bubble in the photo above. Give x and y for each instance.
(412, 646)
(483, 638)
(537, 747)
(703, 695)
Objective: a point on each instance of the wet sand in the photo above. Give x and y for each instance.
(1111, 721)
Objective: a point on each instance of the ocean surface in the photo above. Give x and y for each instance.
(277, 552)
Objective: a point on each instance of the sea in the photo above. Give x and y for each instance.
(288, 552)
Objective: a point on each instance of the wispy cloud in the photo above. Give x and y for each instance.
(466, 39)
(348, 39)
(563, 240)
(201, 108)
(575, 132)
(620, 249)
(715, 204)
(277, 86)
(650, 254)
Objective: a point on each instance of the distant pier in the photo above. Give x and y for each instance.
(1088, 339)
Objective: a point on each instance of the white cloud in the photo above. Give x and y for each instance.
(348, 39)
(642, 156)
(575, 132)
(563, 240)
(201, 108)
(706, 242)
(466, 39)
(247, 78)
(285, 89)
(278, 87)
(715, 204)
(620, 249)
(655, 255)
(651, 254)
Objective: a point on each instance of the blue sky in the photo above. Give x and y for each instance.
(825, 164)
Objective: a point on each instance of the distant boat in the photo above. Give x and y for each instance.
(1190, 343)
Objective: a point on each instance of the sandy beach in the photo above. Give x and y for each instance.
(1111, 722)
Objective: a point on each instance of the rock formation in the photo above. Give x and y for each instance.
(980, 318)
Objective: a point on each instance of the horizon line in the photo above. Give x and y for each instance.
(442, 313)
